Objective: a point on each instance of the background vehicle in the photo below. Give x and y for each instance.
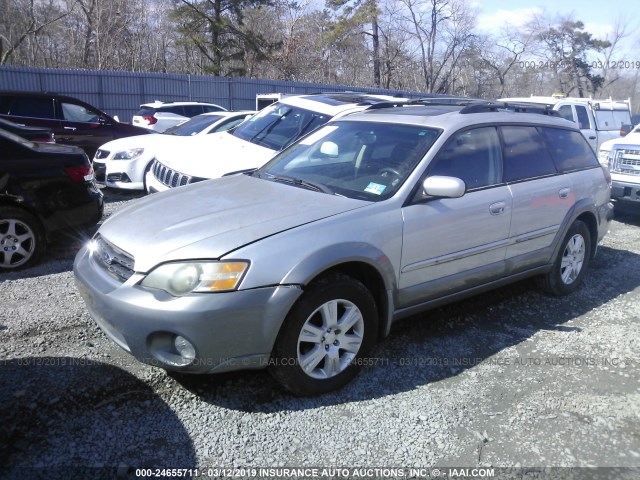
(622, 158)
(598, 120)
(158, 116)
(44, 189)
(254, 142)
(123, 163)
(73, 121)
(304, 264)
(34, 134)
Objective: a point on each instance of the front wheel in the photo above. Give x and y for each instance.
(325, 336)
(572, 262)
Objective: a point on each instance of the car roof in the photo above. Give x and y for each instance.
(44, 95)
(456, 116)
(228, 114)
(338, 102)
(158, 104)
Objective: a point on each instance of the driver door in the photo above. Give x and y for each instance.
(452, 244)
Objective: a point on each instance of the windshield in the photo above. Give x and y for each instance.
(193, 126)
(362, 160)
(278, 125)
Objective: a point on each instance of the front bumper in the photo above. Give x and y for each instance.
(229, 331)
(624, 190)
(122, 174)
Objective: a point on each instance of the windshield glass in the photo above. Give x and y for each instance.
(193, 126)
(278, 125)
(362, 160)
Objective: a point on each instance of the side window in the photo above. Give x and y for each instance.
(178, 110)
(565, 111)
(583, 117)
(473, 156)
(569, 150)
(77, 113)
(32, 107)
(210, 108)
(525, 154)
(192, 110)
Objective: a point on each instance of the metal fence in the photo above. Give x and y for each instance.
(121, 93)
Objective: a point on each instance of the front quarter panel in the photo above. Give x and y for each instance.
(371, 235)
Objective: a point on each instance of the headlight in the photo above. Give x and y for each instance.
(128, 154)
(181, 278)
(603, 157)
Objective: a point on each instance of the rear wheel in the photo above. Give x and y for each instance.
(572, 262)
(325, 336)
(22, 241)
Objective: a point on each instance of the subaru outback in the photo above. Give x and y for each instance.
(303, 265)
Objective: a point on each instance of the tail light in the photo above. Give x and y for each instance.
(80, 174)
(150, 118)
(607, 175)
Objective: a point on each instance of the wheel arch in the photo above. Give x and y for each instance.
(371, 267)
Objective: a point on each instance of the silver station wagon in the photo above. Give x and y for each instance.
(302, 265)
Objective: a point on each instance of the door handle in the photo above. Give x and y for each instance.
(497, 208)
(73, 129)
(592, 138)
(564, 193)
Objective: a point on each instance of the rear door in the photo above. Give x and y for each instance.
(452, 244)
(30, 111)
(541, 197)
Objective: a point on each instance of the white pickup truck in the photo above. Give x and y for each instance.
(622, 157)
(599, 120)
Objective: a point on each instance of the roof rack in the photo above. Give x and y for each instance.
(458, 101)
(490, 106)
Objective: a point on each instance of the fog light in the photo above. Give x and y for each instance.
(185, 348)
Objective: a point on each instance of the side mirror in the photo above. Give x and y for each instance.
(625, 129)
(115, 117)
(446, 187)
(329, 149)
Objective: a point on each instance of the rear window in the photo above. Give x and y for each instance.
(570, 150)
(525, 154)
(146, 112)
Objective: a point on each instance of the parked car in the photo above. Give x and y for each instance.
(123, 163)
(254, 142)
(598, 120)
(73, 121)
(34, 134)
(302, 265)
(621, 156)
(45, 189)
(158, 116)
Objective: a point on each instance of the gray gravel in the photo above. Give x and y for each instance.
(512, 378)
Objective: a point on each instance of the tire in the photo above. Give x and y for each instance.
(22, 240)
(572, 262)
(309, 357)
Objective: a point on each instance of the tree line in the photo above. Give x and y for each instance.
(430, 46)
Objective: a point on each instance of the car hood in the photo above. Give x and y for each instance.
(136, 141)
(210, 219)
(633, 138)
(214, 155)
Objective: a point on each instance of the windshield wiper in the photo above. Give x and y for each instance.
(318, 187)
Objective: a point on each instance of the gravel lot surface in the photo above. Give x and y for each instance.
(507, 379)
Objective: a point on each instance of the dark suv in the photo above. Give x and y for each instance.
(73, 121)
(45, 189)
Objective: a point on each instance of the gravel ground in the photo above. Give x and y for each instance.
(507, 379)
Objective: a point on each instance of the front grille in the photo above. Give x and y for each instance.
(102, 154)
(169, 177)
(625, 161)
(114, 261)
(100, 169)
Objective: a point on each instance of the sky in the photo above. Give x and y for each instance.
(597, 15)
